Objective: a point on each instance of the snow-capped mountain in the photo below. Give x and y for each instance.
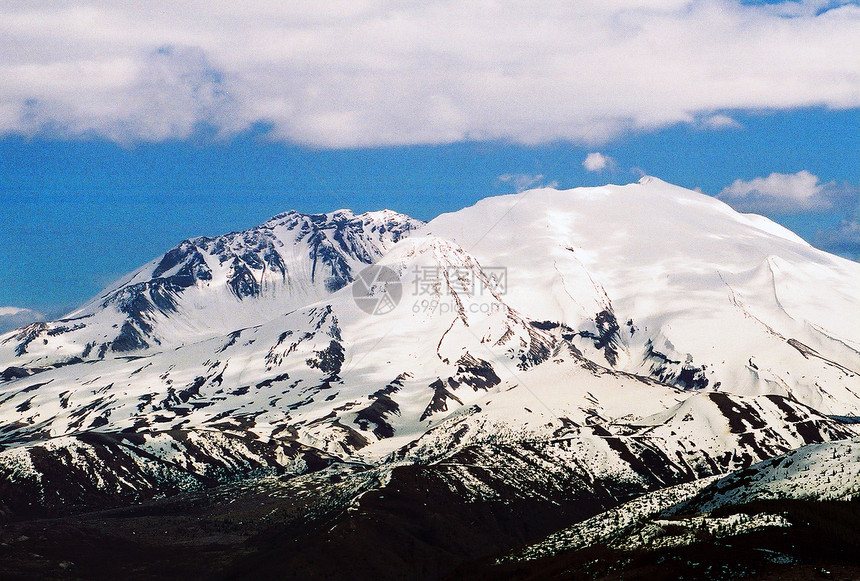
(207, 287)
(600, 342)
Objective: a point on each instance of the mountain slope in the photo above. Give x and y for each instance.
(311, 370)
(790, 517)
(658, 280)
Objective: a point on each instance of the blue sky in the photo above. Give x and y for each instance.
(124, 130)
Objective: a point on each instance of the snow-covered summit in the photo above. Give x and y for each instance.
(664, 281)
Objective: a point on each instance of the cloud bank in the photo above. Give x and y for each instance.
(843, 240)
(781, 193)
(351, 73)
(14, 317)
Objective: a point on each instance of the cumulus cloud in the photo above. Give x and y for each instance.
(347, 74)
(598, 162)
(522, 181)
(786, 193)
(14, 317)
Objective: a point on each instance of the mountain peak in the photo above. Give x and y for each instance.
(207, 286)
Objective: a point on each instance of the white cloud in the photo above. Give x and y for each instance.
(14, 317)
(721, 122)
(785, 193)
(598, 162)
(358, 73)
(522, 181)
